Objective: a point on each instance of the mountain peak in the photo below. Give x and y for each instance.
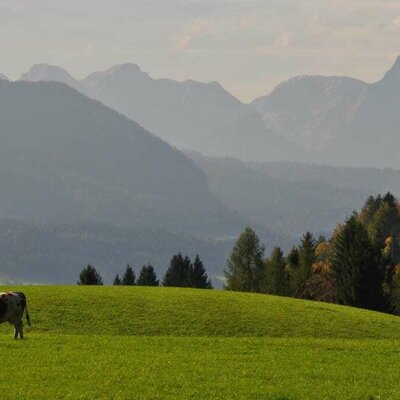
(120, 71)
(397, 64)
(46, 72)
(393, 75)
(127, 67)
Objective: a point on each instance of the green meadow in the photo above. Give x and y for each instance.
(165, 343)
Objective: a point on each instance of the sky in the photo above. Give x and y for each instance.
(249, 46)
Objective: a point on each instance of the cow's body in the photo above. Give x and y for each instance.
(12, 307)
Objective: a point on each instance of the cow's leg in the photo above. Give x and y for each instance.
(16, 331)
(21, 330)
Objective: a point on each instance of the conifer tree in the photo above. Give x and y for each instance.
(177, 274)
(245, 266)
(306, 253)
(357, 267)
(276, 281)
(147, 276)
(292, 264)
(198, 277)
(129, 277)
(117, 281)
(89, 276)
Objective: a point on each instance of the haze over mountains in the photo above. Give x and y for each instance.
(293, 198)
(82, 183)
(189, 115)
(306, 119)
(88, 179)
(336, 120)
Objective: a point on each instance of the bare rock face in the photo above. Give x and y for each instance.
(307, 109)
(337, 120)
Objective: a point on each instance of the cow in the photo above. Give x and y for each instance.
(12, 307)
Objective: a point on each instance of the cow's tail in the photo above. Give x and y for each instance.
(25, 305)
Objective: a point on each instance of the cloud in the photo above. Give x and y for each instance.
(195, 29)
(283, 40)
(396, 23)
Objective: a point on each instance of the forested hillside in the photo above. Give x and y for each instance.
(293, 198)
(66, 159)
(357, 265)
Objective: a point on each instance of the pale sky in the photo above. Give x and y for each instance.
(249, 46)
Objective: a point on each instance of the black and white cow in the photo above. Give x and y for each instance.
(12, 307)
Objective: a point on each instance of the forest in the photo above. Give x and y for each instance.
(358, 265)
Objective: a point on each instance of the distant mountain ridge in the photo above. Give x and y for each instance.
(2, 76)
(189, 115)
(306, 119)
(307, 109)
(338, 120)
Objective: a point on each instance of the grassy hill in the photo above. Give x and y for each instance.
(164, 343)
(141, 311)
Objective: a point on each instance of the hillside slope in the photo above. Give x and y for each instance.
(67, 159)
(293, 198)
(143, 311)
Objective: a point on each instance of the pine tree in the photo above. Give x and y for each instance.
(117, 281)
(276, 281)
(177, 274)
(292, 265)
(357, 267)
(89, 276)
(147, 276)
(129, 276)
(245, 266)
(301, 274)
(198, 277)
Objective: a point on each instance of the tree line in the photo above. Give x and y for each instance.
(359, 265)
(182, 272)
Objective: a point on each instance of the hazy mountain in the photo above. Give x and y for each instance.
(307, 109)
(292, 198)
(65, 158)
(189, 115)
(339, 121)
(46, 72)
(55, 253)
(2, 76)
(308, 118)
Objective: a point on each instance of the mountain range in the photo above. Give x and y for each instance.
(82, 183)
(313, 119)
(72, 168)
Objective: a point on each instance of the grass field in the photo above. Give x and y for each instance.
(161, 343)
